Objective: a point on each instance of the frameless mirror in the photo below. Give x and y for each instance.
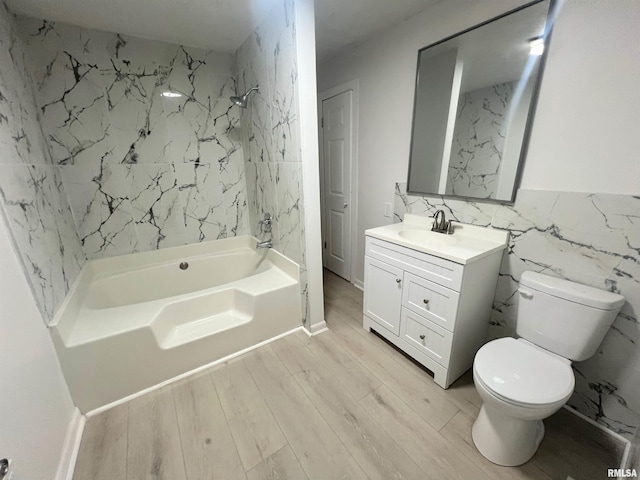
(475, 95)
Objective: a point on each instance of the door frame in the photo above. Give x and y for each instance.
(354, 86)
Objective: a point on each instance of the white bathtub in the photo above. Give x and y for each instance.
(134, 321)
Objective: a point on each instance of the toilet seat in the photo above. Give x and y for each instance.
(521, 374)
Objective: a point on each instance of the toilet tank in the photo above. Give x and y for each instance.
(564, 317)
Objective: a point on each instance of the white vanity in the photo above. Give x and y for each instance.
(430, 294)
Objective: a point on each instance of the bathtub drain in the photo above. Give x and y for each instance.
(184, 265)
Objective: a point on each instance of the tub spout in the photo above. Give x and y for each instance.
(264, 244)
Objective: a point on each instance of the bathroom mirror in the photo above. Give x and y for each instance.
(473, 108)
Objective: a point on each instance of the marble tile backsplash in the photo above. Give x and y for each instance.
(588, 238)
(32, 198)
(141, 170)
(478, 141)
(270, 134)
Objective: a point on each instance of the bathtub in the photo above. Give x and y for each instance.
(135, 321)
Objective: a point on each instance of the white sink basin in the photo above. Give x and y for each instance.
(429, 237)
(468, 243)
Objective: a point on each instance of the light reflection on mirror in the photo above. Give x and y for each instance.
(474, 96)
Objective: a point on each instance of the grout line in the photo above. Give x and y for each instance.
(226, 420)
(449, 421)
(126, 469)
(271, 411)
(313, 405)
(274, 454)
(345, 448)
(175, 413)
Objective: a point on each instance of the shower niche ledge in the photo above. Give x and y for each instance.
(430, 294)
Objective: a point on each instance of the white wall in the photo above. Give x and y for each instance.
(35, 405)
(386, 69)
(584, 129)
(588, 115)
(309, 153)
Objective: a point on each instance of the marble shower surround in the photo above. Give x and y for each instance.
(588, 238)
(478, 141)
(141, 171)
(32, 197)
(270, 134)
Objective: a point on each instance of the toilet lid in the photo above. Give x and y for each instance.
(522, 373)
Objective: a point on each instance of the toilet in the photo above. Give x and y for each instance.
(522, 381)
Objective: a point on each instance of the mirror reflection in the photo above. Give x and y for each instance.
(474, 96)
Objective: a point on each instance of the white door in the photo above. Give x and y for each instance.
(336, 143)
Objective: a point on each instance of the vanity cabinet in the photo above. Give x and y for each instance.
(435, 310)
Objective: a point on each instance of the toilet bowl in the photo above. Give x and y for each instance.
(523, 381)
(520, 385)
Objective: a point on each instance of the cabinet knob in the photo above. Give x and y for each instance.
(398, 280)
(426, 301)
(421, 337)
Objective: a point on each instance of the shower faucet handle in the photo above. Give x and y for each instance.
(267, 219)
(266, 223)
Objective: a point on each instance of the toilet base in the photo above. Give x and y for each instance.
(506, 440)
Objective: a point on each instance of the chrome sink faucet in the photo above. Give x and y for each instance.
(440, 224)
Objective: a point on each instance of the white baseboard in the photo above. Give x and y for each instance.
(359, 284)
(189, 373)
(316, 328)
(617, 436)
(71, 446)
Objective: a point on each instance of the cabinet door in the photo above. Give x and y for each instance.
(383, 293)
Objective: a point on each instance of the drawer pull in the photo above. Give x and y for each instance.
(426, 301)
(398, 280)
(422, 337)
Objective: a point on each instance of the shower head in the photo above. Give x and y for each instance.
(242, 101)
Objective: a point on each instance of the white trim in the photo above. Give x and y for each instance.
(316, 328)
(71, 446)
(359, 284)
(308, 114)
(182, 376)
(617, 436)
(625, 456)
(354, 86)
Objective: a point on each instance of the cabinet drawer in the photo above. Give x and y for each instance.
(430, 300)
(425, 336)
(436, 269)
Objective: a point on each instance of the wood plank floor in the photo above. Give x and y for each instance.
(341, 405)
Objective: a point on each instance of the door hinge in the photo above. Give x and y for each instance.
(325, 244)
(321, 122)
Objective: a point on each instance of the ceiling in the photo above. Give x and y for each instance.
(221, 25)
(343, 22)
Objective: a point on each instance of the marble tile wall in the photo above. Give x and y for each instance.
(270, 132)
(478, 141)
(588, 238)
(31, 194)
(141, 170)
